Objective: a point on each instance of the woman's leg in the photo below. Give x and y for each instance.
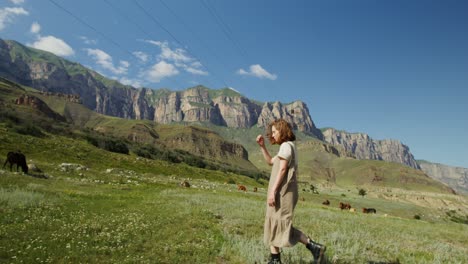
(275, 255)
(274, 250)
(303, 239)
(315, 248)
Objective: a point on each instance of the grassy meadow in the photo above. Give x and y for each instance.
(93, 206)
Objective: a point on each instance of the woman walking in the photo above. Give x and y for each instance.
(283, 194)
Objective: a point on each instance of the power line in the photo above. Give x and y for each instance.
(226, 30)
(197, 38)
(141, 29)
(157, 22)
(126, 17)
(90, 26)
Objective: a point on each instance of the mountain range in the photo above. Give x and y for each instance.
(48, 73)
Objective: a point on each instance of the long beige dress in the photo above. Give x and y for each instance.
(278, 228)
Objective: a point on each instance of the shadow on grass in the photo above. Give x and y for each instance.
(397, 261)
(38, 175)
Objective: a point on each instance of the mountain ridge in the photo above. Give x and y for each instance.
(366, 148)
(223, 107)
(226, 107)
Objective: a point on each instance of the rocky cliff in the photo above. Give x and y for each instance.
(48, 73)
(364, 147)
(295, 113)
(455, 177)
(38, 105)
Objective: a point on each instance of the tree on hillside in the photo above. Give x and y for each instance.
(362, 192)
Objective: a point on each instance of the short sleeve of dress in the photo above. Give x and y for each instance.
(285, 151)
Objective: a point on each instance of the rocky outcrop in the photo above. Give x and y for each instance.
(195, 140)
(48, 73)
(455, 177)
(191, 105)
(39, 105)
(295, 113)
(237, 111)
(364, 147)
(73, 98)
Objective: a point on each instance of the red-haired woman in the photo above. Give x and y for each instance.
(283, 194)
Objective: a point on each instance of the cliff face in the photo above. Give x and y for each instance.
(364, 147)
(237, 111)
(48, 73)
(455, 177)
(191, 105)
(295, 113)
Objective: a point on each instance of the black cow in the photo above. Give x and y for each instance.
(17, 158)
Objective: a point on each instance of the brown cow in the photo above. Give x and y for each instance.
(241, 188)
(326, 202)
(369, 210)
(346, 206)
(255, 189)
(185, 184)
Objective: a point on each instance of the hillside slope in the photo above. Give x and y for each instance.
(56, 112)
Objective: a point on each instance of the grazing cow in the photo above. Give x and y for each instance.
(241, 188)
(369, 210)
(185, 184)
(17, 158)
(326, 202)
(344, 206)
(255, 189)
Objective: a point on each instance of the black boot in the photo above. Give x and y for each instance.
(316, 249)
(275, 259)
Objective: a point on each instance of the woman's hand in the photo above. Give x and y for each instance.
(271, 198)
(260, 141)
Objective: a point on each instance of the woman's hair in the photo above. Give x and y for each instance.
(285, 130)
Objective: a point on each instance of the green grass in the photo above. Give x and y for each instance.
(113, 208)
(125, 209)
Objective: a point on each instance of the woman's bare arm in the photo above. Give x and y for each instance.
(266, 155)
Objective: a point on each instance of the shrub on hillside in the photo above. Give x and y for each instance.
(362, 192)
(28, 129)
(457, 218)
(109, 144)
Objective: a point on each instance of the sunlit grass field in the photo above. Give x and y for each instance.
(119, 208)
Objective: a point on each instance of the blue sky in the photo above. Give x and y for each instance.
(392, 69)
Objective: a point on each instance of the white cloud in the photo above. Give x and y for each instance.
(141, 56)
(7, 15)
(257, 71)
(54, 45)
(161, 70)
(124, 64)
(88, 41)
(179, 57)
(17, 2)
(195, 71)
(132, 82)
(35, 28)
(105, 61)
